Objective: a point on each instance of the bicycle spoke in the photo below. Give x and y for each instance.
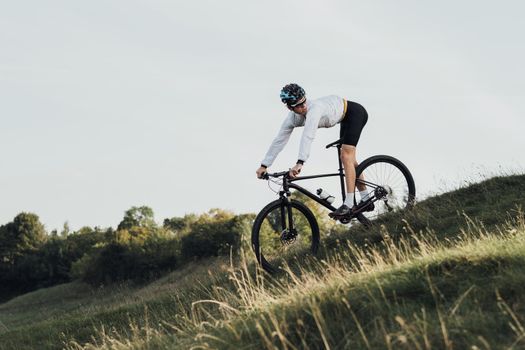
(392, 180)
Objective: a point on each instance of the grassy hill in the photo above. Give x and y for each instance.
(447, 275)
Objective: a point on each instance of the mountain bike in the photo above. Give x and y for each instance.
(287, 228)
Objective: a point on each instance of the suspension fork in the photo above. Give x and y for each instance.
(286, 213)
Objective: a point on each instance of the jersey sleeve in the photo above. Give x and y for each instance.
(310, 128)
(280, 140)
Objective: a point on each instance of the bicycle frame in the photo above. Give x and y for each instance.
(288, 183)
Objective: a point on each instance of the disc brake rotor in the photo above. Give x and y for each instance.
(288, 237)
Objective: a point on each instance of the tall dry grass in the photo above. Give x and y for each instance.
(358, 297)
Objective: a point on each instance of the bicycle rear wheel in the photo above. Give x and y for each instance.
(276, 241)
(389, 182)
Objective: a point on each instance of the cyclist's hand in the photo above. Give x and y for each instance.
(260, 172)
(294, 172)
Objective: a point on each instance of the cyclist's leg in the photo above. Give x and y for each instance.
(348, 157)
(351, 127)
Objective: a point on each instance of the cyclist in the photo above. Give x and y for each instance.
(324, 112)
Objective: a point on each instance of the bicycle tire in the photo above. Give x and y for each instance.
(263, 217)
(409, 196)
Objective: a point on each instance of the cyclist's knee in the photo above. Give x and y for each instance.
(348, 153)
(348, 157)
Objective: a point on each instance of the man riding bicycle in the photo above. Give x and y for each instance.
(324, 112)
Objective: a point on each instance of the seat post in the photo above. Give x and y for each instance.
(341, 172)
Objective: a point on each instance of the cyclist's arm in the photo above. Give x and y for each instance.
(310, 128)
(280, 141)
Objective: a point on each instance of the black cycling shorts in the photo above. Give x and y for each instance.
(353, 123)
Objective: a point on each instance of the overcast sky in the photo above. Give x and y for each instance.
(110, 104)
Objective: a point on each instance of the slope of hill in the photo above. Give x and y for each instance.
(448, 274)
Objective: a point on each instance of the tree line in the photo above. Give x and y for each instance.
(138, 249)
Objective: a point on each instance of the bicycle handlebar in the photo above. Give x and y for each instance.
(267, 176)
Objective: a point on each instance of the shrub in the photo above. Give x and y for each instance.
(215, 234)
(138, 261)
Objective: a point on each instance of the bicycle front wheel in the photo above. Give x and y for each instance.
(284, 232)
(389, 183)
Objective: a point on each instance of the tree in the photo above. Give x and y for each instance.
(179, 225)
(21, 236)
(65, 230)
(213, 234)
(138, 216)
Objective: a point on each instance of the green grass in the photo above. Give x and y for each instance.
(44, 319)
(447, 275)
(448, 297)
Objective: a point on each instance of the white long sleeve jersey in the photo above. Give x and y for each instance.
(323, 112)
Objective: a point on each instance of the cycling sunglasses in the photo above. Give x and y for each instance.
(300, 104)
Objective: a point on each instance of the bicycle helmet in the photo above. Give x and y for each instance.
(291, 94)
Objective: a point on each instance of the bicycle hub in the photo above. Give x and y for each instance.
(288, 237)
(380, 192)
